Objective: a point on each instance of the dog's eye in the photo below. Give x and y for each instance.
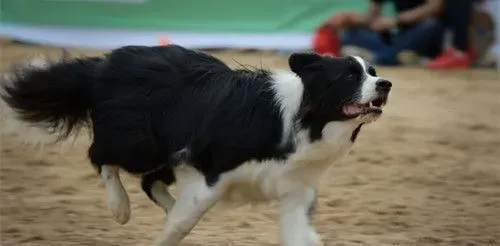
(371, 71)
(350, 76)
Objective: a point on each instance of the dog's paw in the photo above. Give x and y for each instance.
(119, 205)
(314, 239)
(121, 212)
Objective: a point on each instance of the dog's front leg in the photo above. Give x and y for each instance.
(294, 219)
(195, 198)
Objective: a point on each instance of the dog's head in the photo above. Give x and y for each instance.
(340, 88)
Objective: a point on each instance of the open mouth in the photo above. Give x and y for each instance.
(354, 110)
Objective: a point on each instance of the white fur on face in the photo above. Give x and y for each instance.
(368, 88)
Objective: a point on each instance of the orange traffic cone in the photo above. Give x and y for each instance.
(164, 41)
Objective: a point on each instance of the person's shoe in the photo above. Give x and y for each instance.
(351, 50)
(451, 58)
(409, 58)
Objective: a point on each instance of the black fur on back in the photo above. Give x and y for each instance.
(152, 102)
(145, 104)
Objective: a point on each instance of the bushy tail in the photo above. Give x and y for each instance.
(48, 101)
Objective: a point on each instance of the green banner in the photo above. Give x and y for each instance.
(280, 16)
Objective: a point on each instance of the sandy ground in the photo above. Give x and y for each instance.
(428, 173)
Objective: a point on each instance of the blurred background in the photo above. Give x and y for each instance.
(427, 173)
(327, 26)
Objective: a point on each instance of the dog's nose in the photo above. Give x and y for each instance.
(383, 85)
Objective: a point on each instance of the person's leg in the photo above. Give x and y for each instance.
(424, 38)
(361, 42)
(457, 16)
(363, 38)
(433, 43)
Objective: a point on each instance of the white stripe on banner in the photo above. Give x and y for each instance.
(114, 38)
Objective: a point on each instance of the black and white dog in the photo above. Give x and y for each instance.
(175, 115)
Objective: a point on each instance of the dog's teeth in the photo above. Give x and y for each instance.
(371, 104)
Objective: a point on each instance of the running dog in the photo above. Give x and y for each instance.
(178, 116)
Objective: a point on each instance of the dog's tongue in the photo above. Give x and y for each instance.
(352, 109)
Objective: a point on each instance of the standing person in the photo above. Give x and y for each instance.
(456, 17)
(370, 35)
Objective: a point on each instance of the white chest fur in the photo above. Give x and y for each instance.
(263, 181)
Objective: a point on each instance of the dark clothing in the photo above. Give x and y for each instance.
(457, 16)
(426, 38)
(402, 6)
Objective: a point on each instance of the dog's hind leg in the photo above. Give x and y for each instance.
(155, 185)
(195, 198)
(118, 200)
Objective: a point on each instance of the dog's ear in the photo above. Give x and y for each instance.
(298, 61)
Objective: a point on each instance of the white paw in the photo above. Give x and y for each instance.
(314, 239)
(121, 212)
(159, 240)
(119, 205)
